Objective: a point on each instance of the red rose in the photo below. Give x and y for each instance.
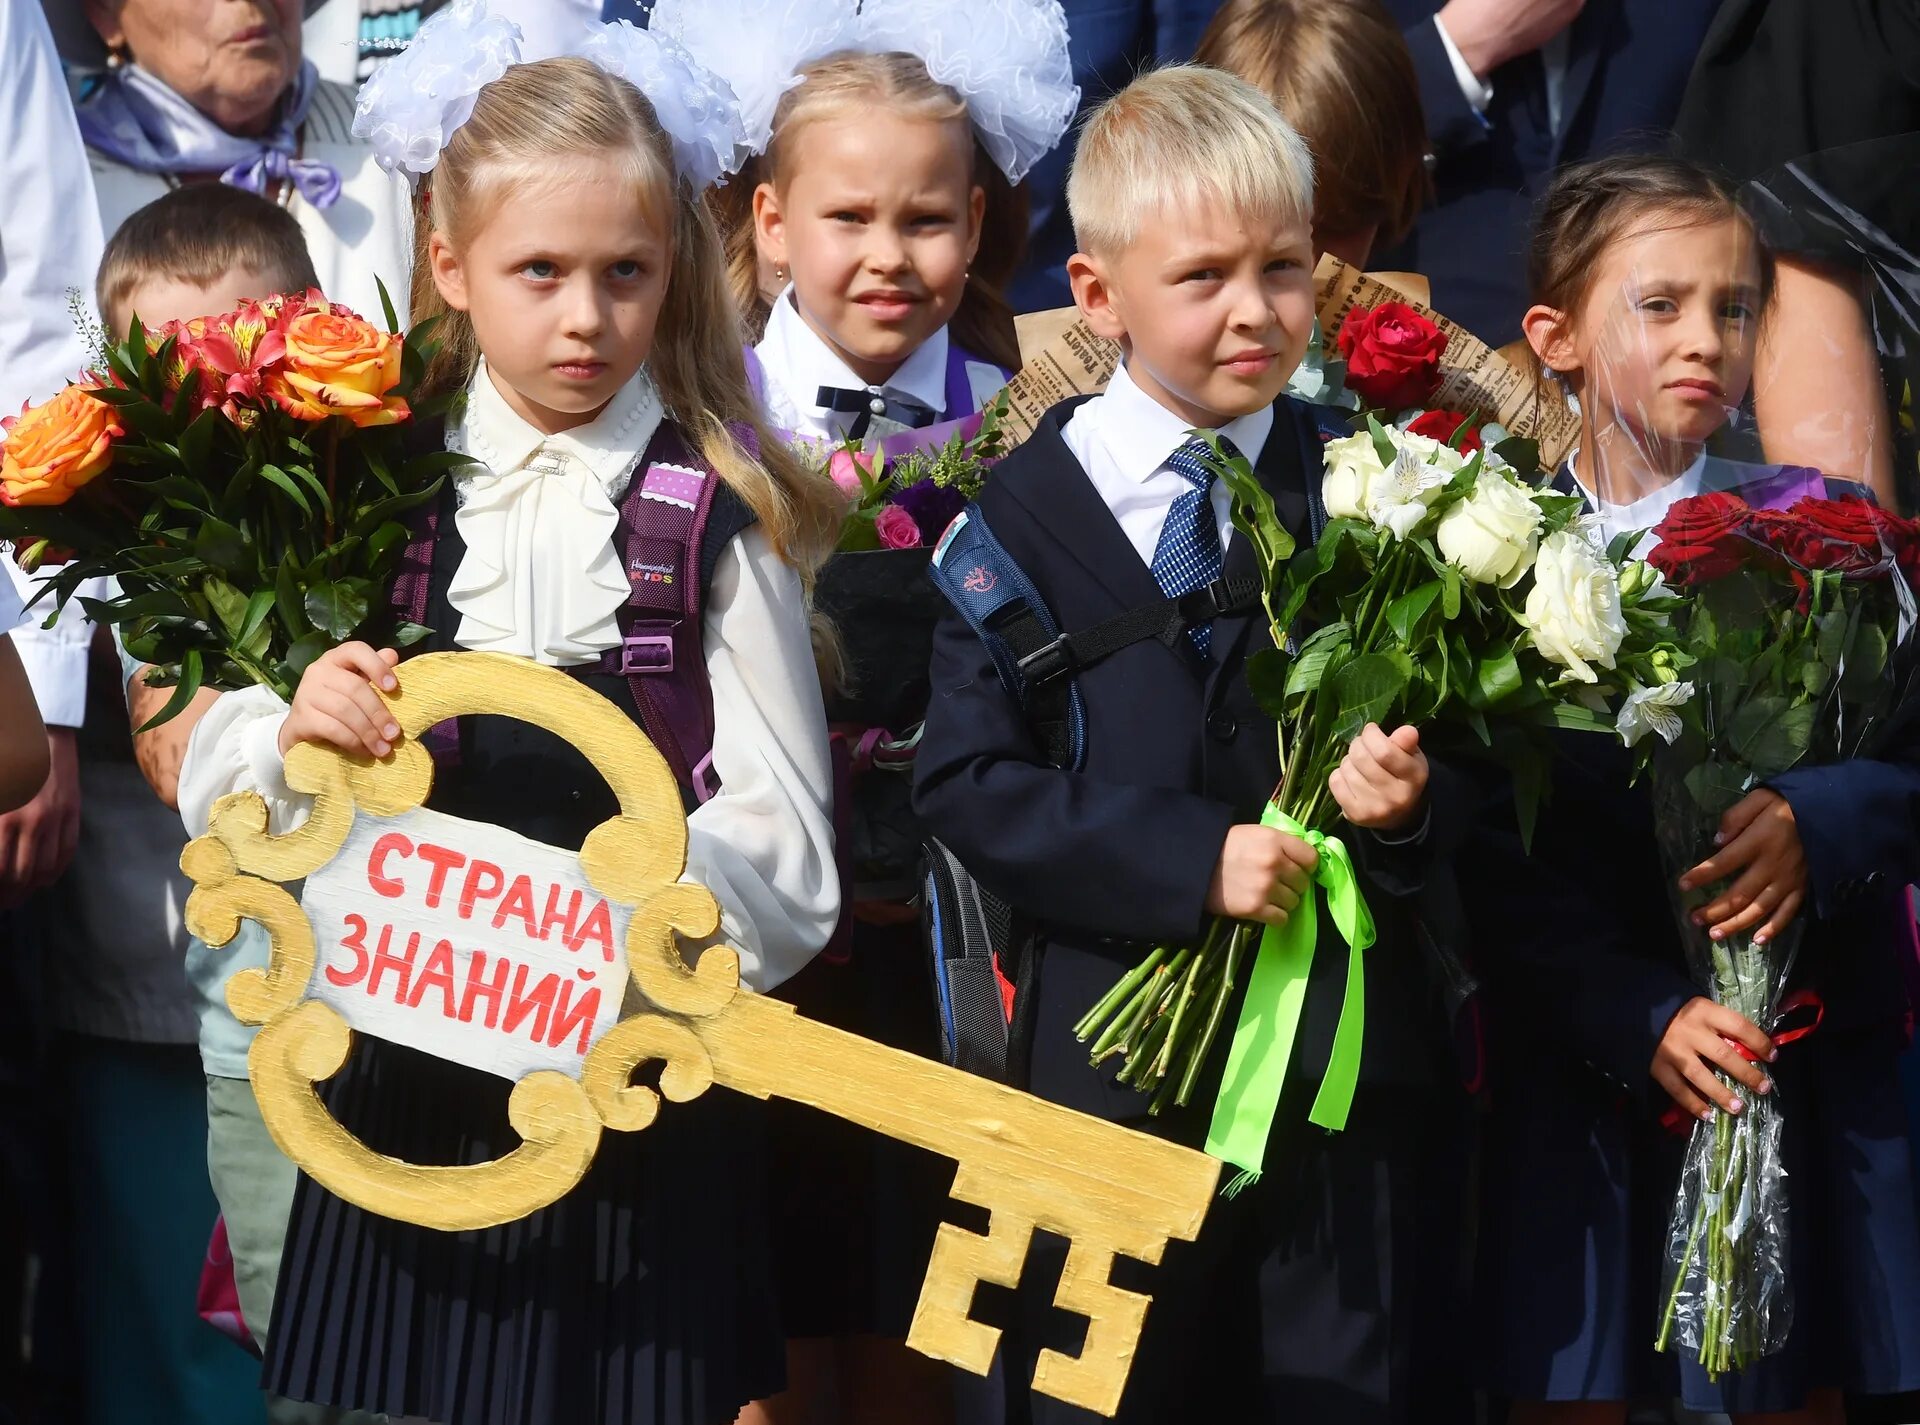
(1784, 533)
(1393, 355)
(1902, 537)
(1848, 534)
(1701, 539)
(1441, 425)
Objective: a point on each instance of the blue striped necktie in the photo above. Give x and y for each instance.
(1188, 556)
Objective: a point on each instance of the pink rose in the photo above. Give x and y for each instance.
(897, 529)
(846, 467)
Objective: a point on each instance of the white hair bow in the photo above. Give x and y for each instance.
(1006, 58)
(414, 102)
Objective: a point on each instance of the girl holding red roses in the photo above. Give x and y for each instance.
(1650, 286)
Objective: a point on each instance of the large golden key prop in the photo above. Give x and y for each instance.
(491, 950)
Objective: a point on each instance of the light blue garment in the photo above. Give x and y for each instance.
(224, 1040)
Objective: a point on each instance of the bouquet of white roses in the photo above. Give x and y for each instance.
(1446, 586)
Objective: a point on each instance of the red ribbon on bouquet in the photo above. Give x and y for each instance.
(1679, 1122)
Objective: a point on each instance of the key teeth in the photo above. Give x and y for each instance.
(1096, 1378)
(942, 1326)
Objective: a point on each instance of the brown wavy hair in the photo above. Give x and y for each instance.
(1340, 72)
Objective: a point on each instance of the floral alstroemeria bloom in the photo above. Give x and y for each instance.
(1399, 499)
(1573, 609)
(1654, 709)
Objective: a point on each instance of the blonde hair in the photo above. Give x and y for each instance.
(1340, 72)
(534, 117)
(849, 83)
(1177, 137)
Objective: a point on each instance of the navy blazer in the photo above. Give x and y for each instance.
(1119, 855)
(1627, 68)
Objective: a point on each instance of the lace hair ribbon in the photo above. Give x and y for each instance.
(1006, 58)
(415, 102)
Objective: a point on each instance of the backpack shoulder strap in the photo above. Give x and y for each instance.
(663, 525)
(1037, 662)
(1000, 604)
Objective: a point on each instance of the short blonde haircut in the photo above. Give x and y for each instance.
(526, 126)
(1178, 137)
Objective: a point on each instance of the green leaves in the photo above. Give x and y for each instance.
(337, 609)
(1364, 690)
(1254, 514)
(1409, 616)
(1323, 650)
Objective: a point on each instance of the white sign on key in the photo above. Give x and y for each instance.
(467, 942)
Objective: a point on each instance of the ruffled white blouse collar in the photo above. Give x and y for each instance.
(541, 577)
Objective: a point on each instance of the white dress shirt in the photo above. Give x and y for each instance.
(527, 510)
(798, 363)
(50, 243)
(1647, 511)
(50, 238)
(763, 845)
(1123, 439)
(1478, 92)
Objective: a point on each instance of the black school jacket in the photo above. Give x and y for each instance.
(1118, 856)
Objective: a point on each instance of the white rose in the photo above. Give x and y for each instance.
(1352, 466)
(1490, 535)
(1573, 610)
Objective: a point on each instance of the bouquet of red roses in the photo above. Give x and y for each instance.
(245, 480)
(1795, 629)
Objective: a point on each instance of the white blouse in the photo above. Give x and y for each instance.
(764, 844)
(798, 363)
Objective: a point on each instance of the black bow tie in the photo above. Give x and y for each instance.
(864, 405)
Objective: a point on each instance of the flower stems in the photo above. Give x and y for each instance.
(1163, 1016)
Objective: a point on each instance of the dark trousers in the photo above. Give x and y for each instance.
(1330, 1291)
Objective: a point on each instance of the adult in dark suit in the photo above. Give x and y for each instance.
(1110, 40)
(1513, 89)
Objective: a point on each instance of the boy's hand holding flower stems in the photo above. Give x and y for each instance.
(1382, 782)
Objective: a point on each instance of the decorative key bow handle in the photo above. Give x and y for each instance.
(563, 973)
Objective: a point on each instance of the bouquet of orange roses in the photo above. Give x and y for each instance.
(245, 480)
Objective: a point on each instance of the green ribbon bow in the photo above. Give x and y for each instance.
(1270, 1014)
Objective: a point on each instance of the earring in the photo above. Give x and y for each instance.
(117, 56)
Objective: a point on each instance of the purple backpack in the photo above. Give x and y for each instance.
(663, 527)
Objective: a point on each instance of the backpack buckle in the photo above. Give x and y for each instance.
(646, 653)
(1048, 661)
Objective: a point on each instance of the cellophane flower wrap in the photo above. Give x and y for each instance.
(245, 480)
(1797, 626)
(1448, 589)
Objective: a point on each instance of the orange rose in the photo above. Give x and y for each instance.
(336, 364)
(53, 449)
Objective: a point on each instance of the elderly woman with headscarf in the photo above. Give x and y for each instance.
(189, 91)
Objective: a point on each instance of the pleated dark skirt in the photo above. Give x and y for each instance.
(854, 1212)
(643, 1297)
